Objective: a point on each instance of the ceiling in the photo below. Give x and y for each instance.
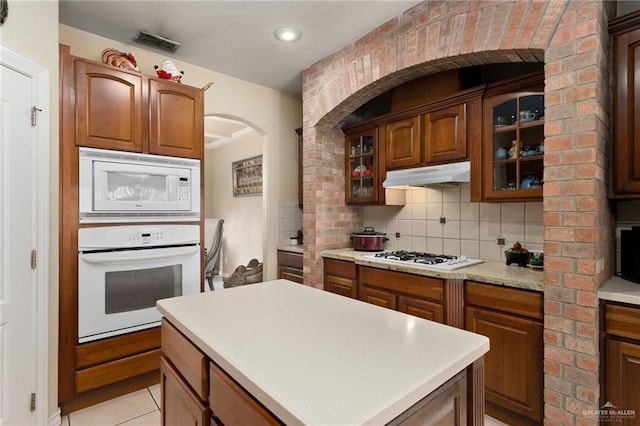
(236, 37)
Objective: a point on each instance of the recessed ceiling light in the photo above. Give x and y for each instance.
(287, 34)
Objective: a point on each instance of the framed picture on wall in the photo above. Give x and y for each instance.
(247, 176)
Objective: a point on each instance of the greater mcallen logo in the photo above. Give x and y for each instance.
(609, 413)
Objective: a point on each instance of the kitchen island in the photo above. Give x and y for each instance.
(282, 352)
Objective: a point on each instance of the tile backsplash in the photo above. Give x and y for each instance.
(443, 220)
(288, 221)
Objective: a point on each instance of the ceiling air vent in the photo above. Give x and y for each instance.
(157, 41)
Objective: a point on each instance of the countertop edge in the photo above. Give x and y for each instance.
(617, 289)
(490, 272)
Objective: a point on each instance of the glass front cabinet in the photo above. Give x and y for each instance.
(362, 167)
(514, 146)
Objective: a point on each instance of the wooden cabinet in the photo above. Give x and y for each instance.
(176, 119)
(127, 111)
(402, 142)
(622, 358)
(184, 378)
(445, 134)
(341, 277)
(514, 146)
(512, 319)
(108, 107)
(412, 294)
(625, 164)
(290, 266)
(363, 185)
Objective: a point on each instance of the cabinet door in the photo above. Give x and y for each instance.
(445, 134)
(626, 168)
(108, 107)
(291, 274)
(421, 308)
(402, 143)
(341, 277)
(180, 406)
(377, 296)
(623, 377)
(176, 119)
(514, 146)
(362, 171)
(513, 366)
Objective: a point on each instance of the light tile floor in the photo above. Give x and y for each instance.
(141, 408)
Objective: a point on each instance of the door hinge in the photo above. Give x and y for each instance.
(33, 402)
(34, 116)
(34, 259)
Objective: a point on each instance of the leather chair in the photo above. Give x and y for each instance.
(250, 274)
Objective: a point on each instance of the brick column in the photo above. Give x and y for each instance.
(578, 234)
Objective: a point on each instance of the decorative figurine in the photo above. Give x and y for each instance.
(168, 71)
(122, 60)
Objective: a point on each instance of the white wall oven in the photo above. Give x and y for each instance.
(118, 186)
(124, 270)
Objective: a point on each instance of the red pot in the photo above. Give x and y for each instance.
(368, 240)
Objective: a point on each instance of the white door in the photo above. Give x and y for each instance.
(19, 236)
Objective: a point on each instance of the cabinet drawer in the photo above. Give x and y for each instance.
(416, 285)
(341, 268)
(291, 274)
(622, 321)
(232, 405)
(286, 258)
(187, 359)
(515, 301)
(105, 350)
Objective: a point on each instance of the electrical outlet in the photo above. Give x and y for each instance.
(443, 219)
(501, 241)
(397, 235)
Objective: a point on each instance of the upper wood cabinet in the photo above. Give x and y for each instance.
(108, 107)
(402, 143)
(128, 111)
(176, 119)
(514, 146)
(445, 135)
(625, 165)
(363, 184)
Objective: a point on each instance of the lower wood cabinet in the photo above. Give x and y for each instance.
(622, 359)
(412, 294)
(180, 406)
(341, 277)
(290, 266)
(512, 319)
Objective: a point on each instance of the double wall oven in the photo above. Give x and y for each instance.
(130, 260)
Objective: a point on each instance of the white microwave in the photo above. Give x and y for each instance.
(118, 186)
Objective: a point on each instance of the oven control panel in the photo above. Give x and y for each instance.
(118, 237)
(149, 237)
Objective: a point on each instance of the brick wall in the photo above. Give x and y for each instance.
(570, 37)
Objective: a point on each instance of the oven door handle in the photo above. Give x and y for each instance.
(102, 258)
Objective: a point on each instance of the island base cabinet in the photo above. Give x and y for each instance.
(179, 405)
(231, 405)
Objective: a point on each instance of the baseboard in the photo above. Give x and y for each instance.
(55, 420)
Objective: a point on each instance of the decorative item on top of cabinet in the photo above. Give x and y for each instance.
(290, 266)
(363, 185)
(625, 161)
(622, 359)
(514, 146)
(512, 320)
(341, 277)
(124, 110)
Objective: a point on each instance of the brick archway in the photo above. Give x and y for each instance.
(570, 37)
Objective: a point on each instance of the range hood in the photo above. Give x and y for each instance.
(441, 174)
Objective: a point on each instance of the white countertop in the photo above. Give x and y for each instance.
(617, 289)
(313, 357)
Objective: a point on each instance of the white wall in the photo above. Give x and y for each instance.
(31, 30)
(243, 219)
(471, 229)
(273, 113)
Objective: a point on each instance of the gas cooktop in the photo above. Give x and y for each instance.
(441, 262)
